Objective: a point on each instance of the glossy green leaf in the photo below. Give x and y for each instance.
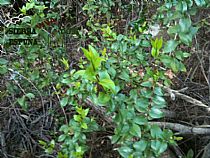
(112, 71)
(84, 125)
(90, 73)
(174, 65)
(3, 69)
(66, 80)
(184, 24)
(140, 145)
(174, 29)
(159, 100)
(93, 51)
(104, 75)
(190, 3)
(155, 145)
(147, 84)
(182, 6)
(182, 67)
(35, 19)
(4, 2)
(158, 91)
(30, 95)
(159, 43)
(155, 131)
(61, 138)
(135, 130)
(64, 128)
(177, 66)
(145, 43)
(181, 55)
(79, 73)
(147, 93)
(140, 120)
(77, 118)
(125, 128)
(22, 102)
(87, 54)
(125, 151)
(64, 102)
(166, 60)
(155, 52)
(115, 138)
(103, 98)
(43, 143)
(155, 113)
(185, 38)
(163, 147)
(115, 46)
(200, 2)
(29, 5)
(133, 94)
(124, 76)
(108, 83)
(142, 105)
(123, 47)
(158, 146)
(170, 46)
(193, 31)
(3, 61)
(96, 61)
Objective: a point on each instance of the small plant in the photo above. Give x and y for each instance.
(49, 148)
(73, 138)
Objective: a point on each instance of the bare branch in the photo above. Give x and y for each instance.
(185, 97)
(183, 129)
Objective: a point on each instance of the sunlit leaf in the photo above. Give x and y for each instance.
(108, 83)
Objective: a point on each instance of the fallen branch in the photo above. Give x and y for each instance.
(187, 98)
(182, 129)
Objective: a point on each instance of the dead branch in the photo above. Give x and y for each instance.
(185, 97)
(183, 129)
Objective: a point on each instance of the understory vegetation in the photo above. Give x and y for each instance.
(105, 78)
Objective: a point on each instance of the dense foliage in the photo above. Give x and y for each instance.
(122, 70)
